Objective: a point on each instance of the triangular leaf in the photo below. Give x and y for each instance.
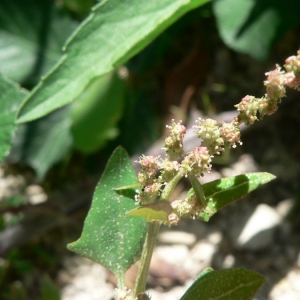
(113, 32)
(222, 192)
(228, 284)
(108, 236)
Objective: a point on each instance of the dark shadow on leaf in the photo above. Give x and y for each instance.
(46, 9)
(287, 12)
(129, 193)
(218, 197)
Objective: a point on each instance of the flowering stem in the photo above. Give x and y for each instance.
(140, 284)
(153, 229)
(198, 190)
(169, 188)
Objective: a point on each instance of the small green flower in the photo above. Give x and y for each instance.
(209, 132)
(174, 142)
(197, 162)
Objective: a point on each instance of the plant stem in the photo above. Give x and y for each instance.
(169, 188)
(198, 190)
(153, 229)
(140, 284)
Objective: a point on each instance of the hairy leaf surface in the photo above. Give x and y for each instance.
(108, 236)
(227, 284)
(113, 32)
(222, 192)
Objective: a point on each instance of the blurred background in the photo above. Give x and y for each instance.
(201, 66)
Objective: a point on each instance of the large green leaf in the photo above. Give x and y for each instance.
(32, 33)
(252, 26)
(228, 284)
(81, 7)
(43, 142)
(108, 236)
(11, 96)
(96, 112)
(111, 34)
(222, 192)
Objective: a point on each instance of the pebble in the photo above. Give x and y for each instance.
(255, 232)
(177, 237)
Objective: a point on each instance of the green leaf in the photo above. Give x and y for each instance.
(228, 284)
(252, 26)
(113, 32)
(32, 33)
(49, 290)
(222, 192)
(96, 112)
(82, 7)
(158, 211)
(108, 237)
(205, 271)
(11, 96)
(43, 142)
(128, 187)
(139, 116)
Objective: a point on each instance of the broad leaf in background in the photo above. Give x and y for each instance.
(43, 142)
(228, 284)
(108, 236)
(11, 97)
(140, 117)
(32, 33)
(81, 7)
(222, 192)
(113, 32)
(96, 112)
(252, 26)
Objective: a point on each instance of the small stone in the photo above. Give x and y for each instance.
(284, 207)
(288, 288)
(229, 261)
(202, 255)
(177, 237)
(215, 237)
(245, 164)
(175, 255)
(255, 232)
(35, 194)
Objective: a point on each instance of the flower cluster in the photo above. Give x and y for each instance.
(156, 173)
(189, 207)
(159, 176)
(209, 133)
(275, 84)
(231, 133)
(147, 177)
(197, 162)
(173, 143)
(292, 66)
